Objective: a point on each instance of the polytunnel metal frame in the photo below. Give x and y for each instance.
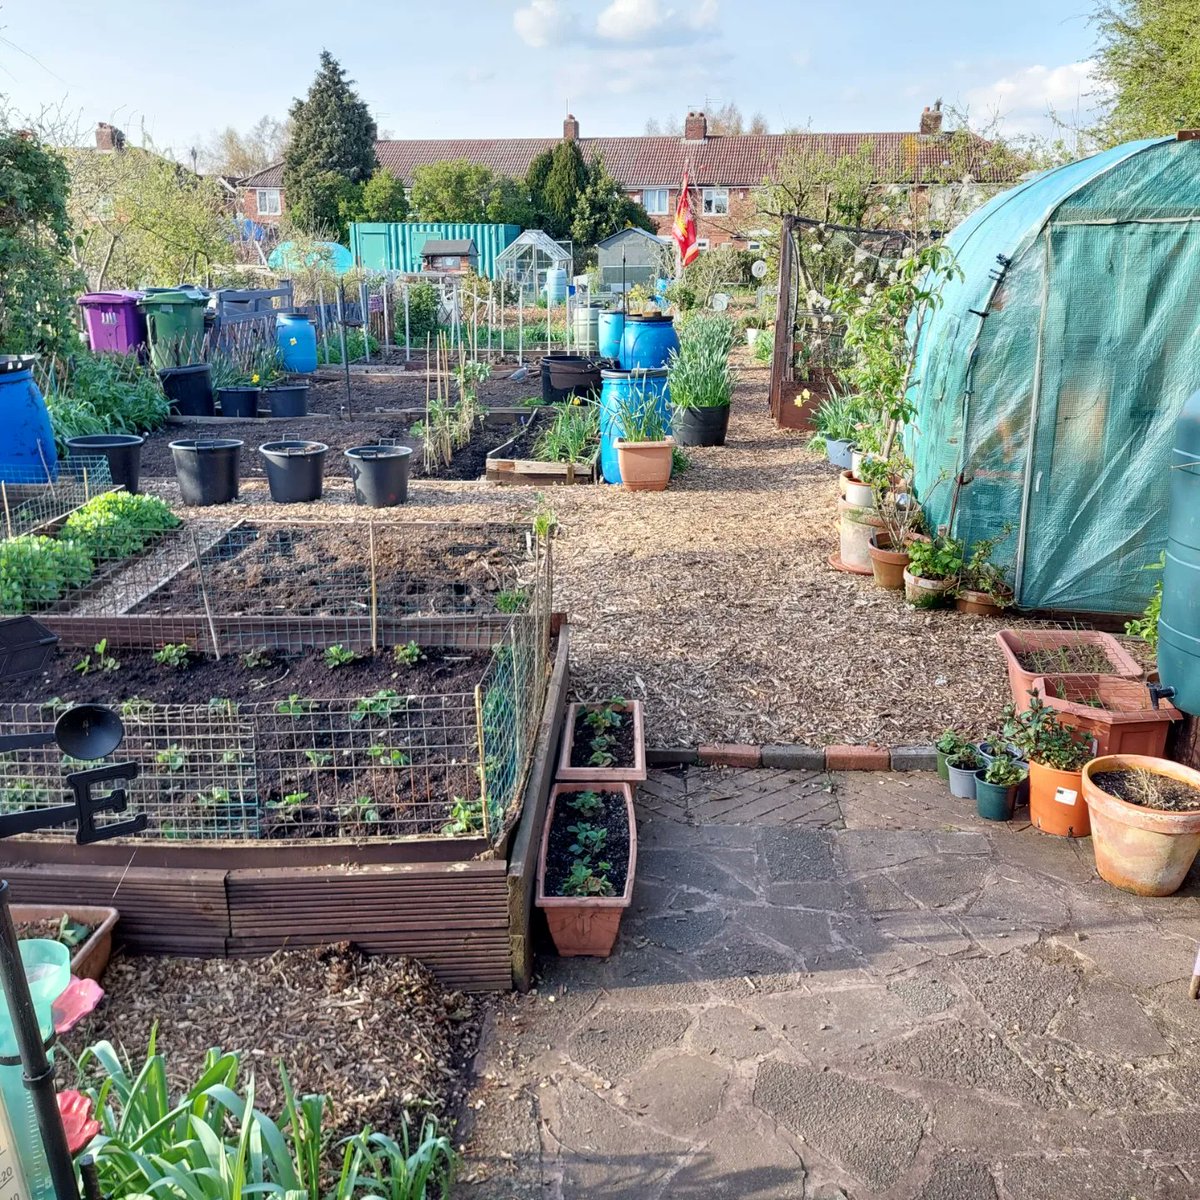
(521, 261)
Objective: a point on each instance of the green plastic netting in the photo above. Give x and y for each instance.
(1053, 373)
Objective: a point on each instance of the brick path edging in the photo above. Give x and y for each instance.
(799, 758)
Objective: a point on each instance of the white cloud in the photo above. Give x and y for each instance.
(652, 21)
(544, 23)
(1023, 100)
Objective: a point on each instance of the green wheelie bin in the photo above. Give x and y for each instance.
(174, 325)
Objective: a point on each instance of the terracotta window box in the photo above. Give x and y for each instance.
(89, 959)
(634, 772)
(1017, 642)
(1124, 722)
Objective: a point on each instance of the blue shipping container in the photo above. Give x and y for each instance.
(397, 245)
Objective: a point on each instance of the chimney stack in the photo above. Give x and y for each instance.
(931, 120)
(695, 128)
(109, 137)
(570, 129)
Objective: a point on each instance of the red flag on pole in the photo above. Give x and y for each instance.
(685, 225)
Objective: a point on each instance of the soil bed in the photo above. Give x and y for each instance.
(613, 818)
(52, 931)
(1148, 790)
(1067, 659)
(379, 1036)
(522, 446)
(622, 749)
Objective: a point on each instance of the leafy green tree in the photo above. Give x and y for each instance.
(458, 190)
(602, 208)
(36, 281)
(382, 198)
(566, 178)
(332, 133)
(1150, 56)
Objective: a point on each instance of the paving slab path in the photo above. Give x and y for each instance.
(848, 987)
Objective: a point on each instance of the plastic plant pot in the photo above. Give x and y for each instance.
(380, 474)
(700, 426)
(239, 401)
(295, 470)
(962, 781)
(287, 400)
(189, 389)
(994, 801)
(207, 469)
(1056, 802)
(123, 451)
(838, 450)
(644, 466)
(568, 375)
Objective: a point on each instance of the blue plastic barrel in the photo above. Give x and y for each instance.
(556, 285)
(27, 452)
(296, 337)
(624, 387)
(647, 342)
(1179, 625)
(612, 328)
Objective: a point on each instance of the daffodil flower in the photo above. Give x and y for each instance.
(292, 342)
(253, 378)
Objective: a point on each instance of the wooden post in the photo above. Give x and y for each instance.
(483, 790)
(782, 351)
(374, 590)
(212, 628)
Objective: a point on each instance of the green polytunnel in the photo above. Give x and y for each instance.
(1053, 372)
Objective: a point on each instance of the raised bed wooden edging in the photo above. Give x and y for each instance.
(510, 472)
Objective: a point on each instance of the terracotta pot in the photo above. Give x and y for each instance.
(636, 773)
(854, 491)
(856, 526)
(1141, 850)
(1056, 803)
(1018, 641)
(925, 593)
(585, 924)
(88, 960)
(644, 466)
(1127, 722)
(979, 604)
(889, 565)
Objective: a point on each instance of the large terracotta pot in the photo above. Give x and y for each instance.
(1015, 642)
(1124, 721)
(925, 593)
(1141, 850)
(855, 529)
(1056, 803)
(644, 466)
(889, 565)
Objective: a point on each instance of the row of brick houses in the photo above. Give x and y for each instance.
(725, 169)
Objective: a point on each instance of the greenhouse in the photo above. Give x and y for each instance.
(1051, 376)
(528, 261)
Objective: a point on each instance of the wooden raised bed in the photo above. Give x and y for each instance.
(508, 471)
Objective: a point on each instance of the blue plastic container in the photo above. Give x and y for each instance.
(556, 285)
(27, 452)
(647, 343)
(617, 387)
(296, 337)
(612, 328)
(1179, 625)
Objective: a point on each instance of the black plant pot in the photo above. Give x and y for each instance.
(239, 401)
(295, 470)
(288, 400)
(700, 426)
(380, 474)
(189, 389)
(567, 375)
(207, 469)
(123, 451)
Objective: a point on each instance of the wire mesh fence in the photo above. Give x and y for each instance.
(35, 497)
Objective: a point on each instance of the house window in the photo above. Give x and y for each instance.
(267, 202)
(753, 246)
(702, 243)
(656, 201)
(716, 202)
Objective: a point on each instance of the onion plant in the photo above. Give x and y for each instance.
(571, 437)
(641, 417)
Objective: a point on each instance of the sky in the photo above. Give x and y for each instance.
(510, 68)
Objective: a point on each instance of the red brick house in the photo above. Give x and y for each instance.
(723, 168)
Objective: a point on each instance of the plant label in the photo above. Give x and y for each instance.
(1066, 795)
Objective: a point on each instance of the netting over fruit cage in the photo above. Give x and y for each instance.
(456, 630)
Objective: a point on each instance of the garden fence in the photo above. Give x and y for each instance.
(33, 499)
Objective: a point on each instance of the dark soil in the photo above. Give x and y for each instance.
(50, 931)
(1149, 790)
(613, 817)
(522, 446)
(469, 462)
(1067, 659)
(581, 746)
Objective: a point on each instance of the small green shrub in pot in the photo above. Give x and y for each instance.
(932, 571)
(996, 788)
(950, 742)
(1004, 771)
(1043, 738)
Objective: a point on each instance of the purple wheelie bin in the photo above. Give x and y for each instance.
(115, 324)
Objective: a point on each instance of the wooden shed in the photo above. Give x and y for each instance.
(452, 256)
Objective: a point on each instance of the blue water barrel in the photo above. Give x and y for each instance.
(296, 337)
(611, 330)
(1179, 625)
(556, 285)
(617, 387)
(647, 342)
(27, 447)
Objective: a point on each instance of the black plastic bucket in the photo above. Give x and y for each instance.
(700, 426)
(189, 389)
(123, 451)
(288, 399)
(207, 469)
(295, 470)
(239, 401)
(380, 474)
(567, 375)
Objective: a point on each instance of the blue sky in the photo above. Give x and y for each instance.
(463, 68)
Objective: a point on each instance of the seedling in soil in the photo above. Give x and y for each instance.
(339, 656)
(293, 706)
(602, 755)
(384, 703)
(213, 797)
(586, 804)
(218, 704)
(589, 839)
(98, 660)
(256, 660)
(584, 880)
(56, 705)
(606, 716)
(294, 799)
(388, 756)
(512, 600)
(318, 758)
(231, 756)
(173, 757)
(409, 655)
(174, 654)
(363, 809)
(466, 816)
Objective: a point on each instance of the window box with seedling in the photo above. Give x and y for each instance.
(604, 742)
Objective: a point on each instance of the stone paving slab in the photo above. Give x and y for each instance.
(848, 987)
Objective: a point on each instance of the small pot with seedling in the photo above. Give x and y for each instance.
(996, 788)
(586, 865)
(604, 742)
(983, 587)
(932, 571)
(961, 766)
(950, 742)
